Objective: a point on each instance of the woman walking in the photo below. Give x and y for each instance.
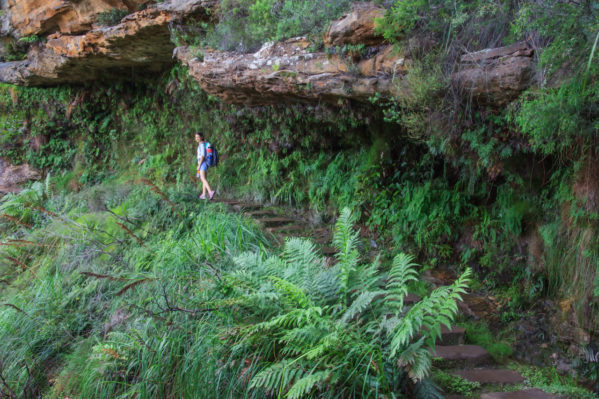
(203, 166)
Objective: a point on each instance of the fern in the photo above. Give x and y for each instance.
(277, 377)
(416, 359)
(402, 272)
(427, 389)
(345, 241)
(306, 384)
(342, 317)
(292, 292)
(301, 253)
(437, 309)
(359, 305)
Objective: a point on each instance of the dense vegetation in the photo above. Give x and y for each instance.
(151, 293)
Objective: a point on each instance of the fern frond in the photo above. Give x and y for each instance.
(293, 319)
(292, 292)
(328, 343)
(360, 304)
(402, 272)
(301, 253)
(427, 389)
(298, 339)
(325, 286)
(427, 316)
(306, 384)
(416, 359)
(277, 377)
(345, 240)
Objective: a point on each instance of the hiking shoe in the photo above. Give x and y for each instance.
(203, 196)
(211, 194)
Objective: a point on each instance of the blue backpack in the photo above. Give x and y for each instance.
(211, 155)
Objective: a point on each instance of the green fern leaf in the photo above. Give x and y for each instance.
(306, 384)
(345, 241)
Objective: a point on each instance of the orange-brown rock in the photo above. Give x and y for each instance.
(356, 27)
(140, 43)
(289, 72)
(12, 176)
(36, 17)
(495, 76)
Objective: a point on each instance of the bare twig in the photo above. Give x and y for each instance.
(15, 220)
(128, 231)
(15, 307)
(124, 219)
(19, 263)
(154, 188)
(106, 276)
(7, 387)
(170, 308)
(133, 284)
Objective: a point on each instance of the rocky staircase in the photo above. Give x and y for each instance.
(470, 362)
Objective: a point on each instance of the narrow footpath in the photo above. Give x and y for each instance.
(470, 362)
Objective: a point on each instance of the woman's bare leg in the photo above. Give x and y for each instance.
(205, 185)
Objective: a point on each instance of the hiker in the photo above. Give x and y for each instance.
(203, 166)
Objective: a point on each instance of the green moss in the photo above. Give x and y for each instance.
(455, 384)
(478, 333)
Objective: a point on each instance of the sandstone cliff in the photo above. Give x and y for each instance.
(76, 51)
(140, 42)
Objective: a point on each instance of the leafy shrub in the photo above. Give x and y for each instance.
(340, 329)
(112, 17)
(556, 120)
(245, 25)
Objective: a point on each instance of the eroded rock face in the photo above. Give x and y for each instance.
(496, 76)
(356, 27)
(288, 72)
(12, 176)
(36, 17)
(140, 43)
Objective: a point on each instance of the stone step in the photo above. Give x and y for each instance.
(411, 299)
(10, 190)
(329, 251)
(274, 221)
(523, 394)
(261, 212)
(452, 336)
(491, 376)
(288, 228)
(460, 356)
(246, 206)
(226, 201)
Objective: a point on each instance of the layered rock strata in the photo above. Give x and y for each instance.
(140, 43)
(289, 72)
(495, 76)
(37, 17)
(355, 63)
